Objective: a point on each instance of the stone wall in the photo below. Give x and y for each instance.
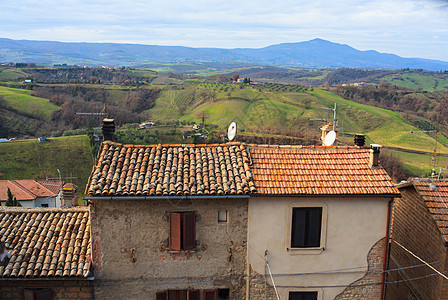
(60, 289)
(415, 229)
(368, 287)
(132, 258)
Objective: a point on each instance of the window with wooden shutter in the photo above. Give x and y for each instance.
(175, 236)
(210, 295)
(37, 294)
(189, 230)
(161, 295)
(193, 294)
(182, 230)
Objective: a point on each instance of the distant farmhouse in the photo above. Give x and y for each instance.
(41, 193)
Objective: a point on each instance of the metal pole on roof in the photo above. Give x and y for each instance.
(60, 186)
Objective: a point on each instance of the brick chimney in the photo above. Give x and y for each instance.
(108, 129)
(69, 195)
(360, 140)
(325, 130)
(374, 155)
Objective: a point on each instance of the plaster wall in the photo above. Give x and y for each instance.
(131, 255)
(353, 226)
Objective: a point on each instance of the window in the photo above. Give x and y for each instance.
(212, 294)
(178, 295)
(37, 294)
(44, 205)
(306, 227)
(302, 295)
(182, 230)
(222, 216)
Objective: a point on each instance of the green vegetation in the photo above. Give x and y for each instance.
(31, 159)
(11, 74)
(418, 80)
(21, 100)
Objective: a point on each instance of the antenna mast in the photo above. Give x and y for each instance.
(433, 174)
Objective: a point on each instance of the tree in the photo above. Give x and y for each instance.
(10, 201)
(235, 77)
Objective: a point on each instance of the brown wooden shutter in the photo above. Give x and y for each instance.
(193, 294)
(210, 294)
(189, 230)
(28, 294)
(175, 221)
(44, 294)
(161, 295)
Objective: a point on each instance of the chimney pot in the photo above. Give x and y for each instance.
(108, 129)
(374, 155)
(360, 140)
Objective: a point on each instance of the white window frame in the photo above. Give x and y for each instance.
(323, 233)
(320, 292)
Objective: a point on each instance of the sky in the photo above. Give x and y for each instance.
(409, 28)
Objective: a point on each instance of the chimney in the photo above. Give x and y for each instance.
(108, 129)
(69, 195)
(360, 140)
(374, 155)
(327, 129)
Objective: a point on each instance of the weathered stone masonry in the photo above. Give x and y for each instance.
(138, 263)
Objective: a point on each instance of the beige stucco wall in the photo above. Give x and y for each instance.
(131, 255)
(353, 226)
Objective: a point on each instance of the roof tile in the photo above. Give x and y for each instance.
(33, 237)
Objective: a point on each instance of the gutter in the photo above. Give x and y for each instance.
(386, 248)
(165, 197)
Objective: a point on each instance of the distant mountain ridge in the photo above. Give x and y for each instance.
(316, 53)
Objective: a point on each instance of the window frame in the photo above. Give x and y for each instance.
(319, 291)
(323, 230)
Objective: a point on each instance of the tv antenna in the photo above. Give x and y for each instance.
(334, 116)
(433, 174)
(231, 131)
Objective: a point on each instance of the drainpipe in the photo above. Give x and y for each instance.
(386, 249)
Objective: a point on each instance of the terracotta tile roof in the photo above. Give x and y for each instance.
(435, 195)
(45, 242)
(235, 169)
(171, 170)
(296, 170)
(25, 190)
(53, 186)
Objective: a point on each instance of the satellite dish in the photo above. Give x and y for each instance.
(330, 138)
(231, 132)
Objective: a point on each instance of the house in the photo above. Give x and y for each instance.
(418, 259)
(170, 221)
(318, 222)
(32, 193)
(47, 253)
(237, 221)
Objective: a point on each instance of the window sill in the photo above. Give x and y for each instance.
(305, 251)
(183, 251)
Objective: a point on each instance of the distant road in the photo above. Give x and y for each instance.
(415, 151)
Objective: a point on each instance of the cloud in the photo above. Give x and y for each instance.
(405, 27)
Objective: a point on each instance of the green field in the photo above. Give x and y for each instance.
(31, 159)
(415, 80)
(21, 100)
(8, 74)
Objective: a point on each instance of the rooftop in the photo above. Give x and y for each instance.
(28, 189)
(235, 168)
(435, 195)
(45, 242)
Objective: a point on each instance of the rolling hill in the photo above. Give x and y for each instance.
(316, 53)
